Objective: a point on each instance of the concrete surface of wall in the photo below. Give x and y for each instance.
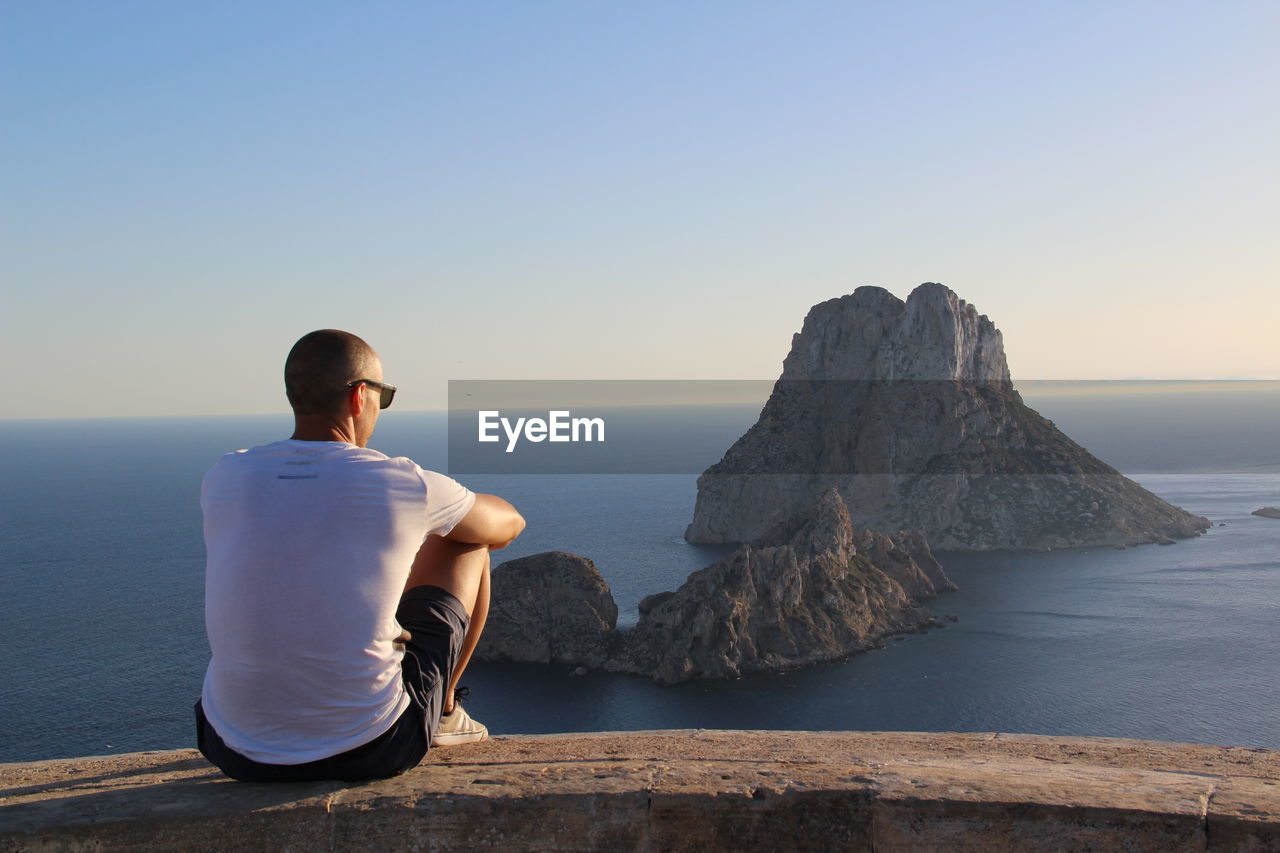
(678, 790)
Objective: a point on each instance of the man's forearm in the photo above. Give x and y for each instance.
(492, 521)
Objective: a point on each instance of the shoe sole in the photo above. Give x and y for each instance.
(459, 737)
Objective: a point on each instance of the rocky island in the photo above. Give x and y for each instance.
(908, 409)
(1267, 512)
(812, 589)
(553, 607)
(894, 430)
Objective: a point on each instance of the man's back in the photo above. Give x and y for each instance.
(309, 547)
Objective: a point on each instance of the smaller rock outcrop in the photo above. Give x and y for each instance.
(813, 589)
(552, 607)
(1267, 512)
(810, 590)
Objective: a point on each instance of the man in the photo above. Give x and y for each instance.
(345, 590)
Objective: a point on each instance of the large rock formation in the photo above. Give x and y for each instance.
(908, 409)
(811, 590)
(552, 607)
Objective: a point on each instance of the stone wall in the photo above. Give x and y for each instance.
(679, 790)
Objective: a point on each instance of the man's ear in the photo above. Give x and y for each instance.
(356, 400)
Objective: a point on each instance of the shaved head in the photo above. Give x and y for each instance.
(319, 367)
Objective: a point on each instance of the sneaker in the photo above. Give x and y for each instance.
(458, 727)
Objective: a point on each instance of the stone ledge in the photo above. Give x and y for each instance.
(679, 790)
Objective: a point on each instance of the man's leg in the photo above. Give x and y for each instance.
(479, 614)
(463, 570)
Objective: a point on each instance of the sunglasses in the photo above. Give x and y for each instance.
(388, 391)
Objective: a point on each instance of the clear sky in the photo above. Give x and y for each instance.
(650, 189)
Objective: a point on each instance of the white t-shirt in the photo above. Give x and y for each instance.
(309, 547)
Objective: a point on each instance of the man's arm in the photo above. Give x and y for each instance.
(492, 522)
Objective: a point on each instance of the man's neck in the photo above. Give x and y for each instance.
(320, 428)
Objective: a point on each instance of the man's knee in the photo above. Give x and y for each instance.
(455, 566)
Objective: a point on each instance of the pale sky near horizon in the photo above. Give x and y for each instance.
(630, 190)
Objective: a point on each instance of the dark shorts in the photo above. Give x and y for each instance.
(437, 622)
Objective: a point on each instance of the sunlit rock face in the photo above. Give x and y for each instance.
(813, 589)
(908, 409)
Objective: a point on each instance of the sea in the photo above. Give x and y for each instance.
(102, 644)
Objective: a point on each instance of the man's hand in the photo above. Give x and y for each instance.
(404, 637)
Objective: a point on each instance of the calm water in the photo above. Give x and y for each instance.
(103, 644)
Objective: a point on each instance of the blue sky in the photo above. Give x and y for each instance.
(622, 190)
